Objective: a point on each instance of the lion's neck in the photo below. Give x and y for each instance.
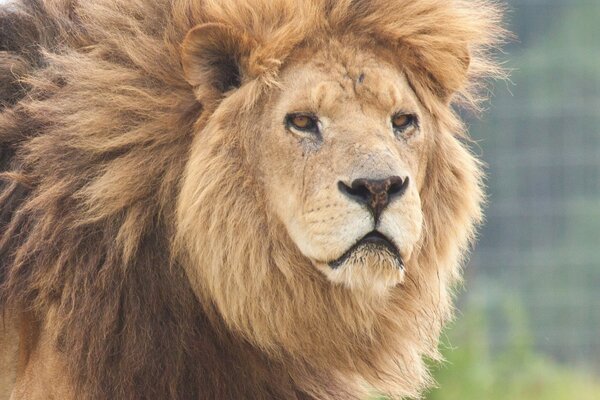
(231, 368)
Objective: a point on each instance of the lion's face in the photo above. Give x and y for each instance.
(345, 145)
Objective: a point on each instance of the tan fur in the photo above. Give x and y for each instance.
(8, 356)
(162, 235)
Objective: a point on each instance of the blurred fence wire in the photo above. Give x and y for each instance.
(540, 247)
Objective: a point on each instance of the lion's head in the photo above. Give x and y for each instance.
(329, 196)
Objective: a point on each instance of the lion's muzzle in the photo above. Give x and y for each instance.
(375, 194)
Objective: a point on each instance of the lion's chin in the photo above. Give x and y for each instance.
(368, 268)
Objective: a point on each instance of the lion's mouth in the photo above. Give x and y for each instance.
(374, 240)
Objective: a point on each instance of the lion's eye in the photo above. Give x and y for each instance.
(401, 122)
(303, 123)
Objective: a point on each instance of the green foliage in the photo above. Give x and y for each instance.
(475, 372)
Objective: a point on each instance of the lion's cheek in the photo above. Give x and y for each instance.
(403, 223)
(324, 238)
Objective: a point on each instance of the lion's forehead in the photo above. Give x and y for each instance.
(339, 82)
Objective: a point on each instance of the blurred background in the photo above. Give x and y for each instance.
(528, 326)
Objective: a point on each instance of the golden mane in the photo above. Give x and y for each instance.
(97, 225)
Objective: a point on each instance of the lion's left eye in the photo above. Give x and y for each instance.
(303, 123)
(401, 122)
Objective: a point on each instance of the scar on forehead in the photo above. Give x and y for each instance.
(361, 78)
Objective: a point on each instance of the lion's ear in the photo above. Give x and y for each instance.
(453, 73)
(443, 72)
(214, 57)
(463, 61)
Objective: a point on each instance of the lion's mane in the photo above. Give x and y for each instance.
(96, 128)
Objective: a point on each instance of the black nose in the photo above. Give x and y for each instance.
(376, 194)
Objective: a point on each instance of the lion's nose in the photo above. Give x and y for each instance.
(376, 194)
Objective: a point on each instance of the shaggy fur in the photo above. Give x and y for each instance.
(97, 236)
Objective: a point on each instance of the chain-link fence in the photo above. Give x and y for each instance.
(539, 251)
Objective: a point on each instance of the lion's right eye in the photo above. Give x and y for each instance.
(303, 123)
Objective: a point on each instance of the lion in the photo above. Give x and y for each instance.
(235, 199)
